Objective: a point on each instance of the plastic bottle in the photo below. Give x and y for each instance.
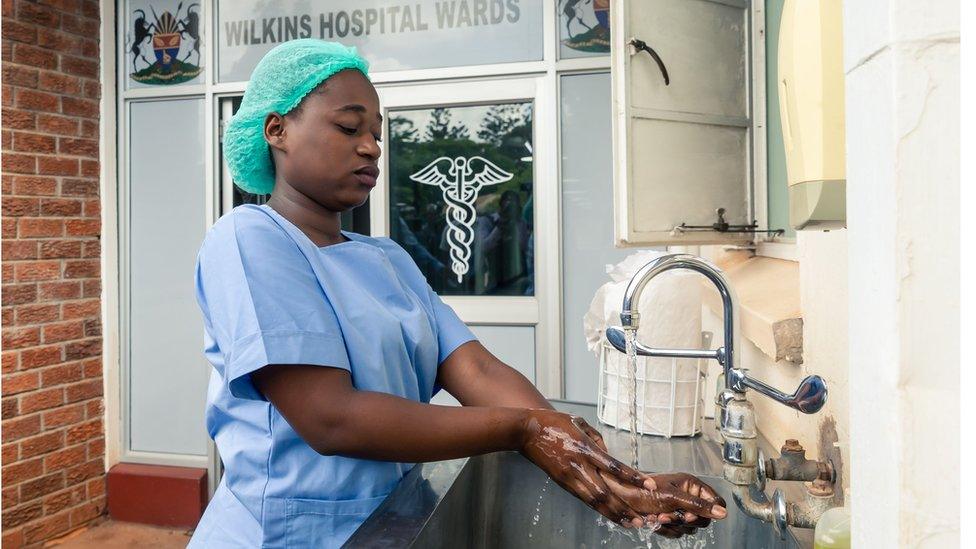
(833, 529)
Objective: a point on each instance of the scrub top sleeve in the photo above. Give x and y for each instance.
(452, 332)
(263, 302)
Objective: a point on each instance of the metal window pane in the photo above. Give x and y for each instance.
(392, 35)
(461, 196)
(167, 372)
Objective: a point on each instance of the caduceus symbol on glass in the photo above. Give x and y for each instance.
(460, 185)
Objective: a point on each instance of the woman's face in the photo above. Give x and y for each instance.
(327, 148)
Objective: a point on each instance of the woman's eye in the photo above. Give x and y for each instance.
(350, 131)
(378, 138)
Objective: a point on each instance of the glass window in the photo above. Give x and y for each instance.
(461, 196)
(163, 43)
(391, 34)
(584, 28)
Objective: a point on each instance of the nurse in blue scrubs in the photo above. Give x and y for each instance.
(327, 345)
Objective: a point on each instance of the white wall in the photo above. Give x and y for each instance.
(902, 65)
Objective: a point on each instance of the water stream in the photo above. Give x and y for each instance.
(631, 338)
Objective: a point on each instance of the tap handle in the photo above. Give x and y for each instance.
(808, 398)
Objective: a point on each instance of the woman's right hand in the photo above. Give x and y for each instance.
(564, 447)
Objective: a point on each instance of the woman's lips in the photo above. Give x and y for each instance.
(366, 179)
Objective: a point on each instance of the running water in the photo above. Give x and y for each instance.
(631, 338)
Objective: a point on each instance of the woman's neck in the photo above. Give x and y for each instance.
(320, 225)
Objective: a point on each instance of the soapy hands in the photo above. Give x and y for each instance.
(574, 455)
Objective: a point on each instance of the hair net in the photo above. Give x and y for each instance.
(281, 80)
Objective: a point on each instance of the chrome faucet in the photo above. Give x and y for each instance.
(743, 464)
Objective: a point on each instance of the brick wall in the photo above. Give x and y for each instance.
(53, 437)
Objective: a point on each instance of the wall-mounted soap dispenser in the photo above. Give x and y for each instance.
(811, 98)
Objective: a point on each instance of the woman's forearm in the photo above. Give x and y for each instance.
(383, 427)
(477, 378)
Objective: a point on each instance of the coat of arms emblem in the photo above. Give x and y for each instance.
(155, 46)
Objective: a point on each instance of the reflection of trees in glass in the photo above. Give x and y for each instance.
(501, 262)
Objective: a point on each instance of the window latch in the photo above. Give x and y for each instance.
(723, 226)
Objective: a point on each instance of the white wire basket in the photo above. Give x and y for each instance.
(670, 393)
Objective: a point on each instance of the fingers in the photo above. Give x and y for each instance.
(693, 504)
(593, 434)
(618, 470)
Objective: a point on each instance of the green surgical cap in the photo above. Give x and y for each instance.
(281, 80)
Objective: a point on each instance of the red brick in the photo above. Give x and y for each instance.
(34, 143)
(81, 268)
(83, 227)
(93, 90)
(48, 527)
(56, 124)
(79, 187)
(87, 512)
(78, 147)
(34, 271)
(85, 471)
(89, 168)
(35, 185)
(39, 15)
(23, 470)
(96, 487)
(6, 92)
(84, 431)
(50, 249)
(11, 361)
(21, 427)
(9, 225)
(49, 165)
(35, 314)
(11, 497)
(20, 338)
(79, 107)
(81, 309)
(21, 515)
(59, 82)
(60, 374)
(50, 291)
(8, 273)
(87, 68)
(92, 287)
(38, 357)
(42, 444)
(7, 313)
(19, 249)
(76, 350)
(94, 409)
(19, 163)
(79, 25)
(10, 453)
(66, 415)
(64, 499)
(96, 448)
(89, 128)
(35, 57)
(40, 487)
(17, 294)
(65, 331)
(93, 208)
(40, 228)
(84, 390)
(18, 120)
(34, 100)
(25, 77)
(63, 459)
(41, 400)
(10, 408)
(60, 207)
(12, 537)
(93, 327)
(16, 206)
(93, 368)
(16, 30)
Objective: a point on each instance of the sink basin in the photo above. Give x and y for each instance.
(503, 500)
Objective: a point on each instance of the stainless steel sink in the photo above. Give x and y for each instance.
(503, 500)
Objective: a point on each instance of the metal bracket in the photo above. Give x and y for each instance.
(723, 226)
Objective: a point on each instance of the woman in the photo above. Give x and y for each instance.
(328, 345)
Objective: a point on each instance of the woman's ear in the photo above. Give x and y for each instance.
(274, 131)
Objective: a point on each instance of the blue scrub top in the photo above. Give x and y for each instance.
(269, 295)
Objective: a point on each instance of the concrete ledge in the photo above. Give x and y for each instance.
(769, 304)
(157, 494)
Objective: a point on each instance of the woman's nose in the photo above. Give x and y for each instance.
(370, 147)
